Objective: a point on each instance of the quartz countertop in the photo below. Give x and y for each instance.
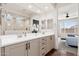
(6, 40)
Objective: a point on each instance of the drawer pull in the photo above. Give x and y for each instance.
(42, 48)
(43, 43)
(51, 38)
(29, 45)
(26, 46)
(42, 39)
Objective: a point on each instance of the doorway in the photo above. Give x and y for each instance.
(67, 36)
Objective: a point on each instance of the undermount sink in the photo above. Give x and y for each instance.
(19, 36)
(43, 32)
(22, 36)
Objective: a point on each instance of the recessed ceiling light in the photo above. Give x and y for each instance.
(38, 11)
(29, 6)
(46, 7)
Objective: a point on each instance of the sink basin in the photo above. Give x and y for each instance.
(19, 36)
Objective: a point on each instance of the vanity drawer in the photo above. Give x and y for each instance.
(43, 47)
(43, 43)
(43, 40)
(43, 52)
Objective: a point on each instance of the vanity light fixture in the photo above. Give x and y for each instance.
(38, 11)
(67, 15)
(8, 24)
(46, 7)
(30, 6)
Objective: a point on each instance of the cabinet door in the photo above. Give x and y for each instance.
(78, 50)
(50, 43)
(0, 51)
(53, 41)
(16, 50)
(33, 49)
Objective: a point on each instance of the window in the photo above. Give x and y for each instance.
(70, 23)
(14, 22)
(69, 26)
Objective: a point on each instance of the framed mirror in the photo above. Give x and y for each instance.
(50, 24)
(43, 24)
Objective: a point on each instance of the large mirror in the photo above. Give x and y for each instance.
(20, 23)
(43, 24)
(50, 24)
(14, 23)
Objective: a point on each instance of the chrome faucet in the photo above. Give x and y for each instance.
(25, 34)
(3, 32)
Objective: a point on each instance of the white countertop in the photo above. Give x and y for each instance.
(13, 39)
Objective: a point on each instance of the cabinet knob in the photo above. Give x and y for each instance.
(42, 48)
(51, 38)
(42, 39)
(43, 43)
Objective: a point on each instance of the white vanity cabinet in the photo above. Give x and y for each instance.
(34, 48)
(16, 50)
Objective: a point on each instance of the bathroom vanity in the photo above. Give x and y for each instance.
(38, 44)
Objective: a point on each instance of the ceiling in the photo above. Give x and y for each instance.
(63, 4)
(69, 8)
(31, 7)
(37, 8)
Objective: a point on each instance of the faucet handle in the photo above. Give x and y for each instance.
(25, 33)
